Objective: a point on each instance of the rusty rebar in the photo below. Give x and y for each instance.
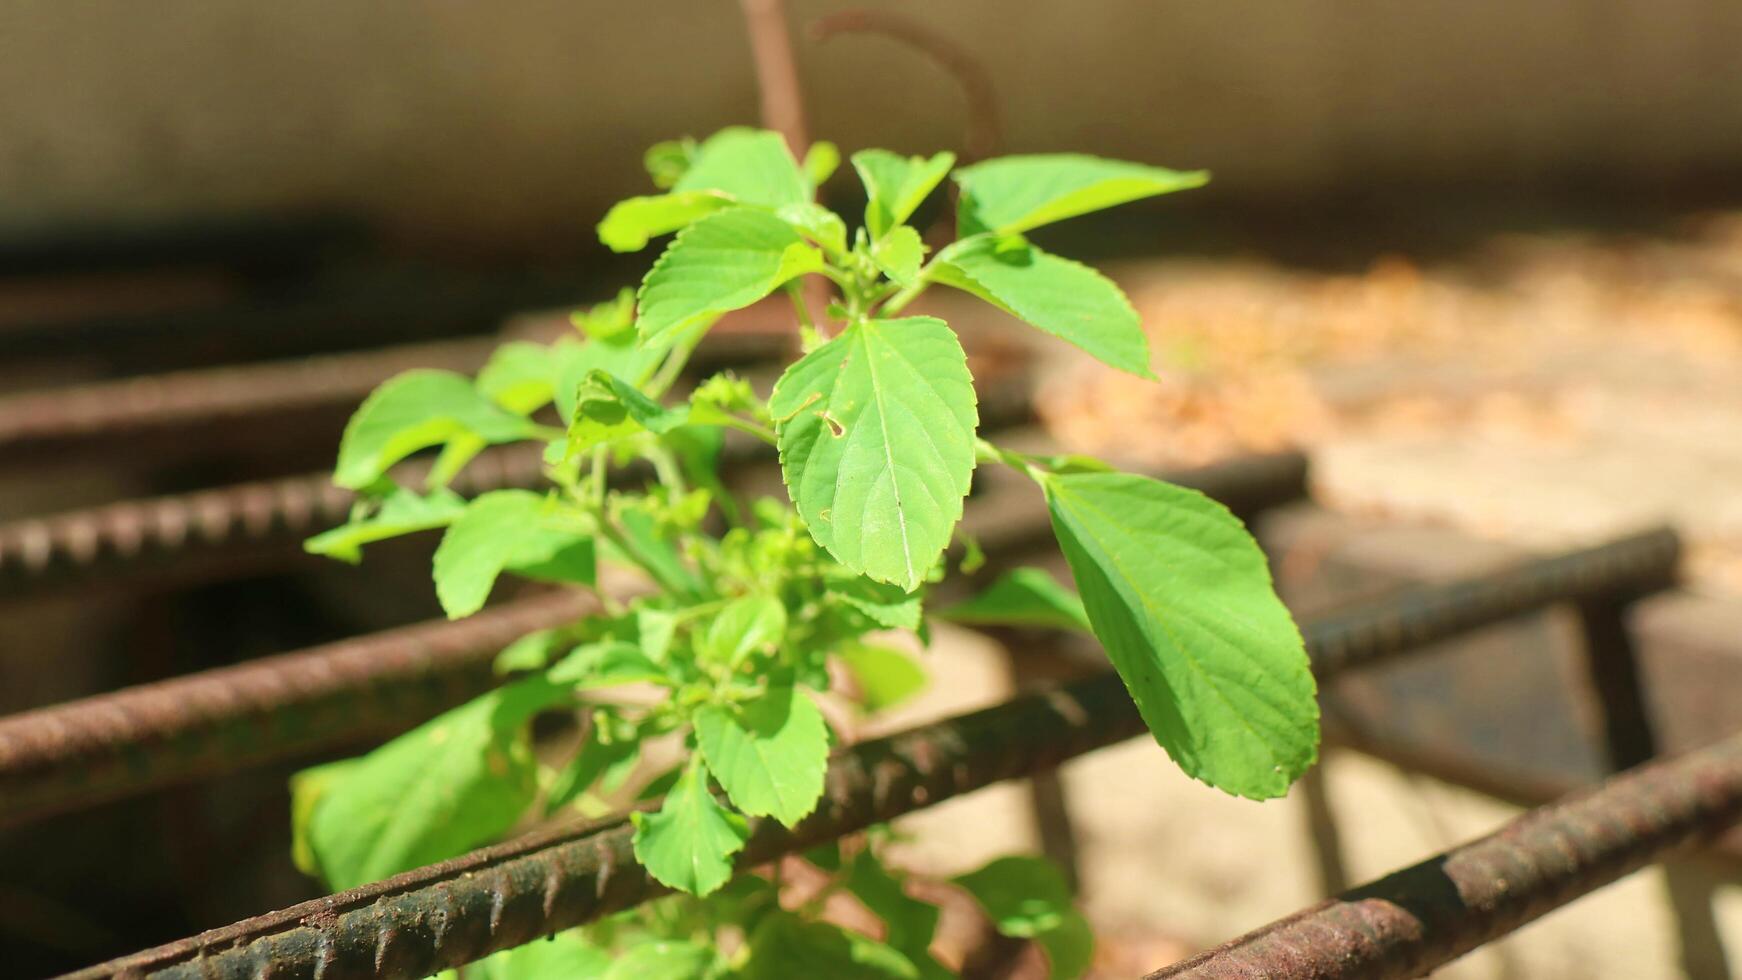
(446, 914)
(1626, 567)
(53, 421)
(417, 923)
(1419, 918)
(66, 756)
(188, 537)
(101, 748)
(49, 421)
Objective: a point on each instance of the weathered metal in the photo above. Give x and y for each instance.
(1417, 919)
(195, 536)
(1633, 565)
(117, 411)
(212, 401)
(451, 913)
(417, 923)
(85, 752)
(63, 757)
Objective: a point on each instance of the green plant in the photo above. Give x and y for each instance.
(750, 601)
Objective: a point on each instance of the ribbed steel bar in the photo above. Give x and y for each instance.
(101, 748)
(451, 913)
(189, 536)
(1417, 919)
(115, 411)
(67, 756)
(1626, 567)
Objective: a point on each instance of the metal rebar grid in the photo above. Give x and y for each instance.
(62, 757)
(420, 922)
(115, 411)
(194, 536)
(1417, 919)
(191, 536)
(446, 914)
(102, 748)
(1626, 567)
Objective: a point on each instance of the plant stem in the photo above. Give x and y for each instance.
(907, 294)
(756, 429)
(810, 337)
(776, 71)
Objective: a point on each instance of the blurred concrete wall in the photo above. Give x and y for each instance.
(523, 117)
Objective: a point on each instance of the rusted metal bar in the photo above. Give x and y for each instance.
(191, 537)
(1417, 919)
(457, 911)
(56, 420)
(63, 757)
(89, 751)
(1636, 564)
(42, 422)
(53, 747)
(419, 922)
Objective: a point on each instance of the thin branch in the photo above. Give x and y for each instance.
(776, 72)
(984, 132)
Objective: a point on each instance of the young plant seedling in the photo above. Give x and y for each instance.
(701, 691)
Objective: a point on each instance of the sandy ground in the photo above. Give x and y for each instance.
(1538, 390)
(1171, 866)
(1541, 391)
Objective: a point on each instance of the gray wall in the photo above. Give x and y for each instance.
(455, 119)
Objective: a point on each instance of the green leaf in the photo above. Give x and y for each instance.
(688, 845)
(630, 224)
(458, 781)
(607, 757)
(1180, 595)
(666, 161)
(909, 923)
(1023, 896)
(508, 530)
(307, 789)
(401, 512)
(876, 433)
(612, 320)
(769, 754)
(888, 606)
(1013, 194)
(564, 956)
(899, 254)
(650, 549)
(723, 262)
(620, 357)
(746, 625)
(896, 185)
(414, 411)
(784, 947)
(751, 165)
(663, 959)
(521, 376)
(885, 677)
(1066, 299)
(607, 409)
(532, 651)
(820, 162)
(817, 223)
(608, 663)
(1021, 597)
(1070, 947)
